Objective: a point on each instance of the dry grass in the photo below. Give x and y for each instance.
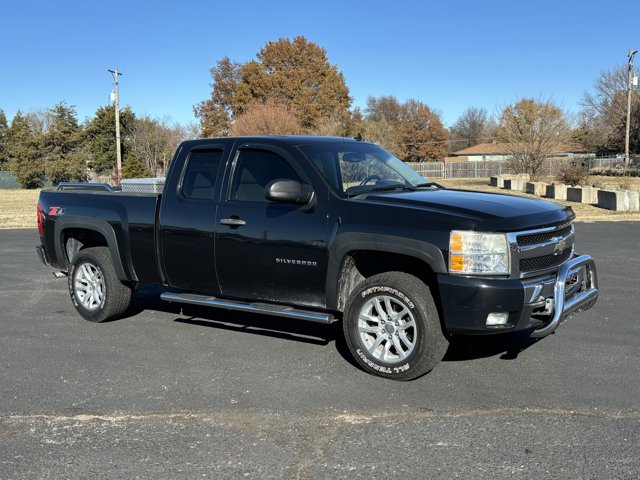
(584, 213)
(18, 208)
(612, 183)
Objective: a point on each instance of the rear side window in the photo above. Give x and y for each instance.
(254, 170)
(200, 175)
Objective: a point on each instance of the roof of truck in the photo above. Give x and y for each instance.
(290, 139)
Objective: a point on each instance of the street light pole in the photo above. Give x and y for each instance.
(116, 74)
(629, 80)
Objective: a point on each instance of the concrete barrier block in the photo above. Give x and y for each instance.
(559, 192)
(613, 200)
(588, 195)
(501, 179)
(574, 194)
(516, 184)
(619, 200)
(537, 188)
(634, 200)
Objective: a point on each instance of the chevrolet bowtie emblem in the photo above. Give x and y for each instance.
(560, 246)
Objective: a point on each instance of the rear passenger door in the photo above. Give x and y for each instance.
(270, 251)
(187, 220)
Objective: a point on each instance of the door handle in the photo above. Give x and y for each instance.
(233, 222)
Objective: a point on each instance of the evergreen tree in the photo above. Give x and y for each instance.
(23, 153)
(132, 167)
(62, 147)
(4, 130)
(100, 137)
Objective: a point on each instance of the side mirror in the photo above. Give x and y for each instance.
(289, 191)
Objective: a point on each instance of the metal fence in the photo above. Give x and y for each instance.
(459, 169)
(8, 180)
(483, 169)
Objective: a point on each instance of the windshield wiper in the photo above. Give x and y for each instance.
(382, 188)
(362, 189)
(402, 186)
(429, 184)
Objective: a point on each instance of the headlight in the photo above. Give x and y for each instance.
(478, 253)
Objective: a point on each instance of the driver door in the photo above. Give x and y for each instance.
(270, 251)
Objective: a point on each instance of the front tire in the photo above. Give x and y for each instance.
(95, 289)
(392, 327)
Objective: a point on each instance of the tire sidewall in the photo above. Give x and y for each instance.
(98, 314)
(362, 295)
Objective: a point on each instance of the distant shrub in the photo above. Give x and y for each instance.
(134, 168)
(572, 173)
(621, 173)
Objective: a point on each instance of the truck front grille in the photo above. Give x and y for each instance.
(540, 251)
(543, 237)
(546, 261)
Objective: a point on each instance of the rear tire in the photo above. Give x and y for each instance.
(392, 327)
(95, 289)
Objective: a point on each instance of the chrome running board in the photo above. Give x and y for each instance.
(262, 308)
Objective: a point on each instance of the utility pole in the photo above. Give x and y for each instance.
(116, 74)
(629, 81)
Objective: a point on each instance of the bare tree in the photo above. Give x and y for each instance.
(531, 132)
(190, 131)
(40, 120)
(472, 127)
(267, 119)
(605, 110)
(153, 142)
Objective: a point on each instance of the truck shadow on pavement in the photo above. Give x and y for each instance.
(461, 348)
(507, 345)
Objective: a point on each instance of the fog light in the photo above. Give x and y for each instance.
(497, 318)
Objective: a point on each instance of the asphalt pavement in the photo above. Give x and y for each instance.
(166, 393)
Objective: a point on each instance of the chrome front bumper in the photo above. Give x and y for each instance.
(570, 299)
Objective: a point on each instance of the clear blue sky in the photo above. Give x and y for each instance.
(451, 55)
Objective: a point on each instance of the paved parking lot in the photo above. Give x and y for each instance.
(166, 393)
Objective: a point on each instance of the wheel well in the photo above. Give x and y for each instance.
(362, 264)
(75, 239)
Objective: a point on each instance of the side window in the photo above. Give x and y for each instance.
(200, 175)
(254, 170)
(326, 163)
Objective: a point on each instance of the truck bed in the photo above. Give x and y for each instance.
(127, 217)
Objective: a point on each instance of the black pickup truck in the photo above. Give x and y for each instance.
(323, 229)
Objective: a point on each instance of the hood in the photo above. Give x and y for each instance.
(490, 211)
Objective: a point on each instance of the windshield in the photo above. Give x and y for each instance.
(354, 168)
